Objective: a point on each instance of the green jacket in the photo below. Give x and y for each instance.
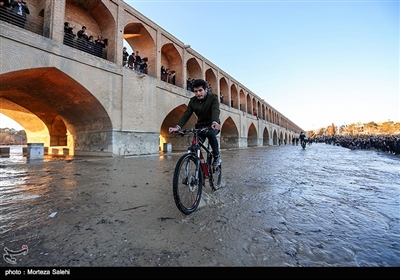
(206, 110)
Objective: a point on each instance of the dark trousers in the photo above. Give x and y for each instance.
(211, 135)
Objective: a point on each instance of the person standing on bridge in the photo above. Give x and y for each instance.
(19, 10)
(125, 56)
(206, 107)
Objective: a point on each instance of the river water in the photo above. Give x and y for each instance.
(324, 206)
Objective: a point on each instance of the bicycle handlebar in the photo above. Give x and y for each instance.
(192, 130)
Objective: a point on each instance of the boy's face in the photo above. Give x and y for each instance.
(199, 92)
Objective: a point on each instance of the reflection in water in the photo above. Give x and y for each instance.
(278, 206)
(23, 189)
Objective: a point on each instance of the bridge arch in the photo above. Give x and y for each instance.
(252, 136)
(211, 79)
(236, 98)
(193, 68)
(229, 136)
(172, 60)
(249, 104)
(97, 18)
(224, 90)
(68, 111)
(275, 137)
(137, 35)
(35, 129)
(266, 137)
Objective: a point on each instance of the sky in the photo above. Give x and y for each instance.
(315, 62)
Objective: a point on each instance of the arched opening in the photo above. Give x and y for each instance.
(172, 61)
(229, 135)
(252, 136)
(211, 79)
(265, 137)
(56, 110)
(139, 39)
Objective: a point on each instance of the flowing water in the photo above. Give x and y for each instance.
(278, 206)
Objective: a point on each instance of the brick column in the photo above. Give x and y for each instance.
(54, 15)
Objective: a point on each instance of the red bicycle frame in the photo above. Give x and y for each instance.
(203, 163)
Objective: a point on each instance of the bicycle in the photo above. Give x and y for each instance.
(191, 172)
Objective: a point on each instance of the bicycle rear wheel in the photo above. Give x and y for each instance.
(187, 192)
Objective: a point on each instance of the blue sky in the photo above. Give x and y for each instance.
(316, 62)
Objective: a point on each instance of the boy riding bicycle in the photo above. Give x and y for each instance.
(206, 107)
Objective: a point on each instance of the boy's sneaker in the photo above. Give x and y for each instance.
(217, 161)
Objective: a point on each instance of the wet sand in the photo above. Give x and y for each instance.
(119, 212)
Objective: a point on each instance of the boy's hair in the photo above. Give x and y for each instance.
(200, 83)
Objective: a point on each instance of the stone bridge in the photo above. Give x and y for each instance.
(65, 97)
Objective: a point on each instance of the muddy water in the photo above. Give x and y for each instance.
(278, 206)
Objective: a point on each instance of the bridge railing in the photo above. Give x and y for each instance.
(35, 25)
(8, 16)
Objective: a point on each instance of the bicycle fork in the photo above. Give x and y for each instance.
(190, 180)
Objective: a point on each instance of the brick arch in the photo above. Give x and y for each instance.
(193, 69)
(97, 18)
(281, 137)
(224, 90)
(67, 109)
(249, 104)
(212, 81)
(172, 60)
(265, 137)
(35, 129)
(235, 96)
(242, 98)
(252, 136)
(275, 137)
(139, 39)
(229, 134)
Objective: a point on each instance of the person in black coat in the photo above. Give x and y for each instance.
(19, 11)
(68, 35)
(99, 46)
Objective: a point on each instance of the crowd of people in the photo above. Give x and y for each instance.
(389, 144)
(14, 11)
(134, 61)
(83, 41)
(168, 75)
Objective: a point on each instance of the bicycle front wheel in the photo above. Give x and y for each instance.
(215, 181)
(186, 189)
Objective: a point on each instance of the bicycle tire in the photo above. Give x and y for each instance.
(187, 193)
(215, 181)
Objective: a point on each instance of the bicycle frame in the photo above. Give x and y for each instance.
(196, 146)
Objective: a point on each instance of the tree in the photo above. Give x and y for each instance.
(372, 127)
(331, 130)
(11, 136)
(387, 128)
(321, 131)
